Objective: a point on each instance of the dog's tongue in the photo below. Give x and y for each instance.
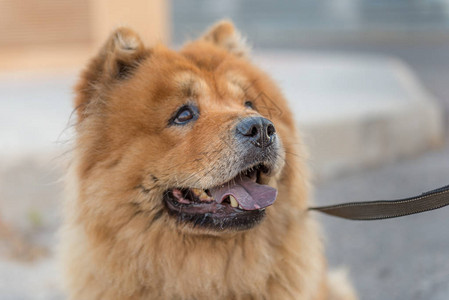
(248, 194)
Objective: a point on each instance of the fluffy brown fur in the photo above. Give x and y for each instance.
(119, 242)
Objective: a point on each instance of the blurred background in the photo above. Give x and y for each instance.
(368, 82)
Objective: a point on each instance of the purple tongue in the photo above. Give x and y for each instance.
(248, 194)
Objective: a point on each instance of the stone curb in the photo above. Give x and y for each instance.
(356, 111)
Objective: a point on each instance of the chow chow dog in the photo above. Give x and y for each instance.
(188, 179)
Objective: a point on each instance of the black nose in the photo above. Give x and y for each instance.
(257, 130)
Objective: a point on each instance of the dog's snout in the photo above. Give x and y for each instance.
(257, 130)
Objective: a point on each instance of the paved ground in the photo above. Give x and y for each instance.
(404, 258)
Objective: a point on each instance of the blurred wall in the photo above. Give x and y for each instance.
(63, 33)
(29, 23)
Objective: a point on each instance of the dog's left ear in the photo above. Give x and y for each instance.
(224, 35)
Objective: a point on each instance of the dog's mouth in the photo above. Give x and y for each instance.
(237, 204)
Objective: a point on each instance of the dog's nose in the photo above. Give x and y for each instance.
(257, 130)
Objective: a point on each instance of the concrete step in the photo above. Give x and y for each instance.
(356, 111)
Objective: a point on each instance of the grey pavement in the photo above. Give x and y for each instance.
(403, 258)
(24, 281)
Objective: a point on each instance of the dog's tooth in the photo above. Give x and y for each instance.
(204, 196)
(197, 192)
(234, 202)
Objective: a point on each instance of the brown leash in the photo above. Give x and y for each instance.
(378, 210)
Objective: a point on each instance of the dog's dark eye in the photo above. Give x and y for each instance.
(184, 115)
(249, 104)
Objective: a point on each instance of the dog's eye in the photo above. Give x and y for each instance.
(249, 104)
(184, 115)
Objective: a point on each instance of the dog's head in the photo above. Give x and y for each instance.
(197, 140)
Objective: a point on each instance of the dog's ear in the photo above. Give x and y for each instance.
(116, 61)
(223, 34)
(122, 53)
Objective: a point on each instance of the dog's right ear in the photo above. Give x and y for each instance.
(224, 35)
(116, 61)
